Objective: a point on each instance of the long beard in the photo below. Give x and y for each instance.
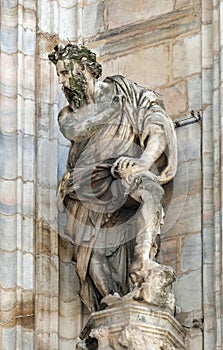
(76, 94)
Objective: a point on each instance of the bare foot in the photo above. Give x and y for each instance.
(110, 299)
(139, 271)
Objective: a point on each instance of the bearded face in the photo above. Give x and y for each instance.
(72, 77)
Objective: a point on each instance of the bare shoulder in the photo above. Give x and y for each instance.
(64, 112)
(104, 90)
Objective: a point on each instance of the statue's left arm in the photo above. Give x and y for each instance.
(153, 128)
(155, 147)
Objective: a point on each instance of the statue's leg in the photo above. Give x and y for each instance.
(147, 222)
(100, 272)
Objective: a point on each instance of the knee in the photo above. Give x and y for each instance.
(152, 191)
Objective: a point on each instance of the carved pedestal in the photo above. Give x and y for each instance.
(140, 320)
(132, 325)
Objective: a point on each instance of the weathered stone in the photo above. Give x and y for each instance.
(26, 157)
(145, 73)
(8, 86)
(9, 3)
(142, 10)
(28, 118)
(187, 182)
(48, 16)
(206, 86)
(168, 253)
(207, 55)
(194, 339)
(65, 250)
(132, 325)
(44, 341)
(188, 139)
(157, 288)
(27, 207)
(208, 245)
(185, 287)
(182, 217)
(27, 43)
(8, 301)
(8, 226)
(47, 205)
(186, 50)
(25, 304)
(207, 133)
(9, 39)
(216, 38)
(8, 154)
(25, 229)
(9, 17)
(93, 19)
(9, 338)
(191, 253)
(208, 283)
(27, 18)
(69, 344)
(70, 332)
(69, 282)
(208, 207)
(8, 115)
(71, 308)
(47, 124)
(29, 4)
(208, 180)
(27, 339)
(47, 241)
(184, 3)
(26, 87)
(49, 272)
(8, 196)
(8, 275)
(25, 270)
(207, 12)
(209, 340)
(174, 98)
(194, 92)
(48, 302)
(69, 21)
(14, 162)
(68, 3)
(44, 70)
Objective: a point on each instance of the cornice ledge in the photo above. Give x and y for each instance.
(126, 38)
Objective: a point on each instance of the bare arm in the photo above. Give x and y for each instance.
(126, 166)
(155, 146)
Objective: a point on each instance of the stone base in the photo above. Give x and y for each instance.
(133, 325)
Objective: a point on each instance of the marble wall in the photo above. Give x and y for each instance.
(17, 175)
(173, 47)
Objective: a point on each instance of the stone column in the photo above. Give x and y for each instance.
(212, 29)
(58, 312)
(17, 174)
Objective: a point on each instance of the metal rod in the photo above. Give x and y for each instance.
(189, 120)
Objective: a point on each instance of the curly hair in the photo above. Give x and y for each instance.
(78, 53)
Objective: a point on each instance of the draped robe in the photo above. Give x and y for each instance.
(117, 124)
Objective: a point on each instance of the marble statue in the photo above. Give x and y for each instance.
(123, 149)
